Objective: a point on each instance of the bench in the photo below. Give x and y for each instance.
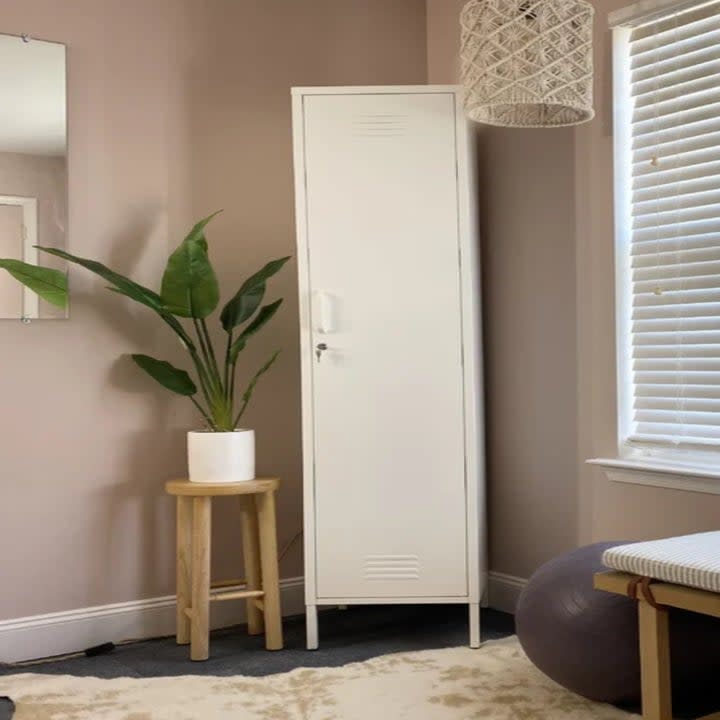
(681, 572)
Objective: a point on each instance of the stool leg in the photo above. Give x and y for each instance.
(655, 662)
(199, 635)
(270, 574)
(183, 567)
(251, 556)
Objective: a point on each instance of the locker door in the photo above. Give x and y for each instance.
(388, 427)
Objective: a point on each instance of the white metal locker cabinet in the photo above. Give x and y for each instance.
(389, 297)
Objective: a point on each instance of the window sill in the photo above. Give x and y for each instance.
(655, 473)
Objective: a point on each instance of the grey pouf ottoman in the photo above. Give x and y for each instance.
(587, 640)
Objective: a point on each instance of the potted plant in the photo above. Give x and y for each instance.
(221, 451)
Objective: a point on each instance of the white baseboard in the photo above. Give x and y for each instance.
(74, 630)
(504, 591)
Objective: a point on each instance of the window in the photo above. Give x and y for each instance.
(667, 219)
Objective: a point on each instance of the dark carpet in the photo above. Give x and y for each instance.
(346, 636)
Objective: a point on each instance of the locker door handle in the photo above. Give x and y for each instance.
(324, 310)
(320, 348)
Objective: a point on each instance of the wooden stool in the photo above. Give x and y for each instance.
(193, 561)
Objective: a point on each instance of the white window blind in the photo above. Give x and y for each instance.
(674, 233)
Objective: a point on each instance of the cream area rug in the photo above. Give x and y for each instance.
(496, 682)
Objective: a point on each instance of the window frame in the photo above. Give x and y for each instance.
(622, 23)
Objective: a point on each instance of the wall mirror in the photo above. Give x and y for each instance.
(33, 165)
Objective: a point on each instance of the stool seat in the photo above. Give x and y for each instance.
(261, 586)
(199, 489)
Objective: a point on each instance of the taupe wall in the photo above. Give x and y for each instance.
(527, 226)
(549, 330)
(180, 107)
(177, 108)
(611, 510)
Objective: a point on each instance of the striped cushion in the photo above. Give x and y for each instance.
(692, 560)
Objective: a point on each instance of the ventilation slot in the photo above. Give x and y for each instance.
(379, 125)
(392, 567)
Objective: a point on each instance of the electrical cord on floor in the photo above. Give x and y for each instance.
(94, 651)
(108, 647)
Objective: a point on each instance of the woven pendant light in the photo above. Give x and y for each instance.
(527, 63)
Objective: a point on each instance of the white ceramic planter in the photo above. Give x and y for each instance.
(221, 457)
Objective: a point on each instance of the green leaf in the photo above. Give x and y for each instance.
(261, 319)
(189, 285)
(168, 376)
(237, 347)
(122, 285)
(198, 231)
(51, 285)
(242, 306)
(251, 387)
(265, 273)
(128, 287)
(247, 299)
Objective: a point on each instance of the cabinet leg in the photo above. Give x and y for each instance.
(251, 556)
(183, 567)
(311, 621)
(474, 625)
(200, 627)
(270, 573)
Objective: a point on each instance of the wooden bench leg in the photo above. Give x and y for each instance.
(655, 662)
(251, 556)
(183, 567)
(200, 626)
(270, 574)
